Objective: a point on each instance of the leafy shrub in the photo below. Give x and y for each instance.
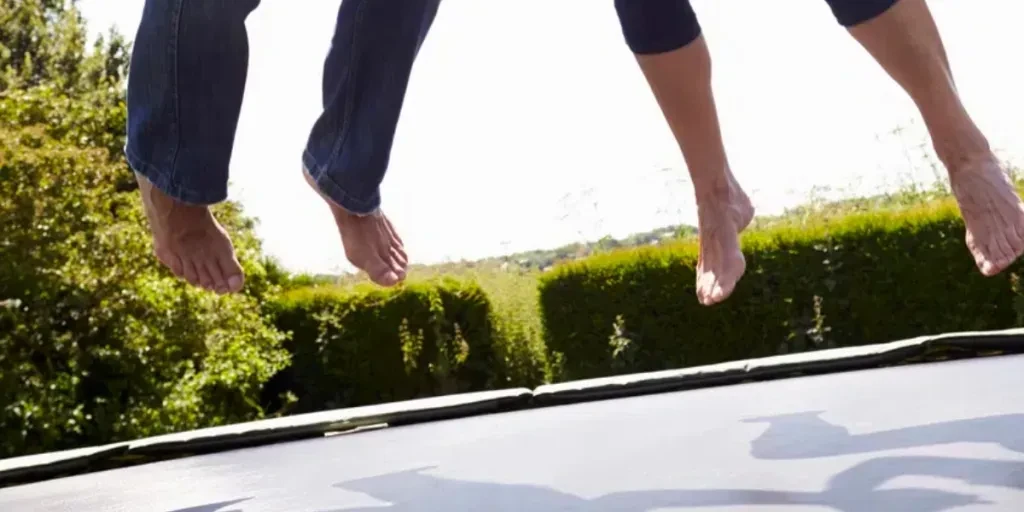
(521, 358)
(521, 355)
(97, 342)
(864, 278)
(369, 345)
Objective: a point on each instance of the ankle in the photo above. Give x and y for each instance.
(713, 189)
(722, 190)
(955, 138)
(961, 151)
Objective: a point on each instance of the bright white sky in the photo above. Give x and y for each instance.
(528, 125)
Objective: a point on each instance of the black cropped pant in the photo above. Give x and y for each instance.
(657, 26)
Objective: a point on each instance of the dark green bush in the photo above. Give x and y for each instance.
(370, 345)
(97, 342)
(864, 278)
(519, 336)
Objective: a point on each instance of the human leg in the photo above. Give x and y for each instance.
(666, 39)
(903, 38)
(366, 75)
(185, 86)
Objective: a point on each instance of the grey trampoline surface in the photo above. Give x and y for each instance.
(928, 437)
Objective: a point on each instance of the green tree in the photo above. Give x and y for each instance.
(97, 341)
(43, 41)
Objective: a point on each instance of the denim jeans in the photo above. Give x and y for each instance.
(188, 73)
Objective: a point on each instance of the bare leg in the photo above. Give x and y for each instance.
(366, 74)
(681, 82)
(181, 130)
(906, 42)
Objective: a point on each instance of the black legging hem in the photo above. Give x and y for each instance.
(659, 26)
(850, 13)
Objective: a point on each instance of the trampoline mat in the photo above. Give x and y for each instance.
(928, 437)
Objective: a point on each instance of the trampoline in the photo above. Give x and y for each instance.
(929, 424)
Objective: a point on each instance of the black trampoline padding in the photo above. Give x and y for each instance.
(819, 361)
(314, 424)
(925, 437)
(44, 465)
(265, 431)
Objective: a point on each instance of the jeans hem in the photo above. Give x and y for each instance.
(164, 182)
(335, 192)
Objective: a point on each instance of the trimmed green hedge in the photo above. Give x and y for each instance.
(864, 278)
(370, 345)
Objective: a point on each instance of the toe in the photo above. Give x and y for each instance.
(996, 253)
(231, 270)
(705, 280)
(384, 276)
(171, 261)
(202, 272)
(399, 255)
(704, 297)
(977, 252)
(714, 291)
(389, 279)
(379, 269)
(235, 283)
(217, 282)
(383, 253)
(718, 293)
(399, 263)
(988, 269)
(393, 232)
(715, 287)
(189, 272)
(399, 259)
(387, 267)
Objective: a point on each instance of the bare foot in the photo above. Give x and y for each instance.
(721, 264)
(370, 241)
(993, 213)
(190, 242)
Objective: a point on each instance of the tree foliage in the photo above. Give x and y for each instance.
(44, 42)
(97, 341)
